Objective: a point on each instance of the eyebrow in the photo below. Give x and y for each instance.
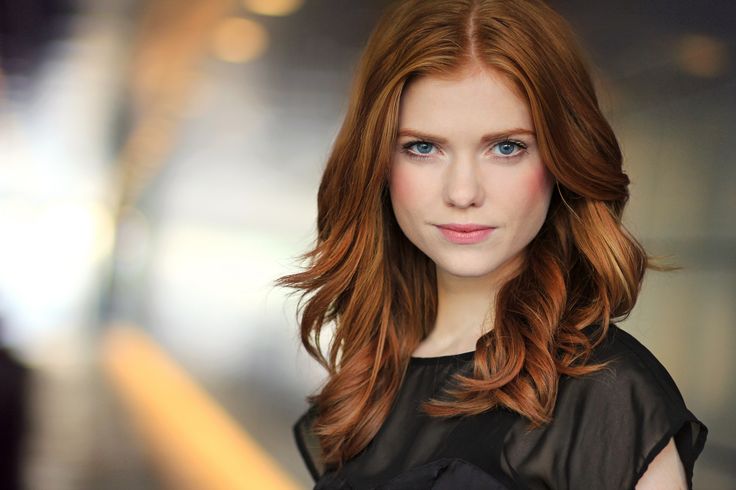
(485, 139)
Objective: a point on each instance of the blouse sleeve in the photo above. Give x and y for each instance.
(308, 444)
(626, 417)
(610, 425)
(659, 410)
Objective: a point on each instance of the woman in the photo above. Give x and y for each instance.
(472, 261)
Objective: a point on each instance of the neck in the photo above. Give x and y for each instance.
(466, 305)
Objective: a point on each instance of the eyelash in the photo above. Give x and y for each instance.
(407, 146)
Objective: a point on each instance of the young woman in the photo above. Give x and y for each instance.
(471, 262)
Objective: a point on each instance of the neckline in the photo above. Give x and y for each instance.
(462, 356)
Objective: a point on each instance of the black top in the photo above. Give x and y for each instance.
(607, 427)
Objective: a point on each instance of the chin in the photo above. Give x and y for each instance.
(466, 268)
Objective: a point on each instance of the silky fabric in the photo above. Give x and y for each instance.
(607, 427)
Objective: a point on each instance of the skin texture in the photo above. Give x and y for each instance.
(463, 179)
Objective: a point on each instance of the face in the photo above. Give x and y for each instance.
(467, 156)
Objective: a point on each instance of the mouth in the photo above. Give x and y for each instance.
(465, 233)
(464, 228)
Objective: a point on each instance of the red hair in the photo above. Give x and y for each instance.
(378, 291)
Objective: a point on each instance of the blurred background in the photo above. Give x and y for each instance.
(159, 163)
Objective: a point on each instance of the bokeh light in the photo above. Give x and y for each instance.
(273, 7)
(702, 56)
(239, 40)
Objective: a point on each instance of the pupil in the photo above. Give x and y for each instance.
(423, 147)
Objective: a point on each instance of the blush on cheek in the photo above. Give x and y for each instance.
(401, 185)
(533, 191)
(539, 182)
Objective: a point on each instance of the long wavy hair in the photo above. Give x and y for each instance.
(377, 292)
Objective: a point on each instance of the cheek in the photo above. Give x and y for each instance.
(404, 187)
(539, 190)
(540, 183)
(531, 194)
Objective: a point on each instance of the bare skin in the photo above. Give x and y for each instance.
(467, 154)
(464, 314)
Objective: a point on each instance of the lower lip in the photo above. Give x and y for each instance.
(466, 237)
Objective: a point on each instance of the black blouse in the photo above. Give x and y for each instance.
(607, 427)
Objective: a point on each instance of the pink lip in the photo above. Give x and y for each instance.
(465, 233)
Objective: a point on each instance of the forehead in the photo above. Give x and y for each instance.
(479, 99)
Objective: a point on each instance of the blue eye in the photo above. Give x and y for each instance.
(509, 148)
(423, 148)
(419, 149)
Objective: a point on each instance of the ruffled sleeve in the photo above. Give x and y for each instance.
(308, 444)
(610, 425)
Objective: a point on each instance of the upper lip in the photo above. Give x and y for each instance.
(465, 228)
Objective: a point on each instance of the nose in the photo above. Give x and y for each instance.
(463, 187)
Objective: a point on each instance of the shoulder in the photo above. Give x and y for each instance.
(624, 414)
(632, 370)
